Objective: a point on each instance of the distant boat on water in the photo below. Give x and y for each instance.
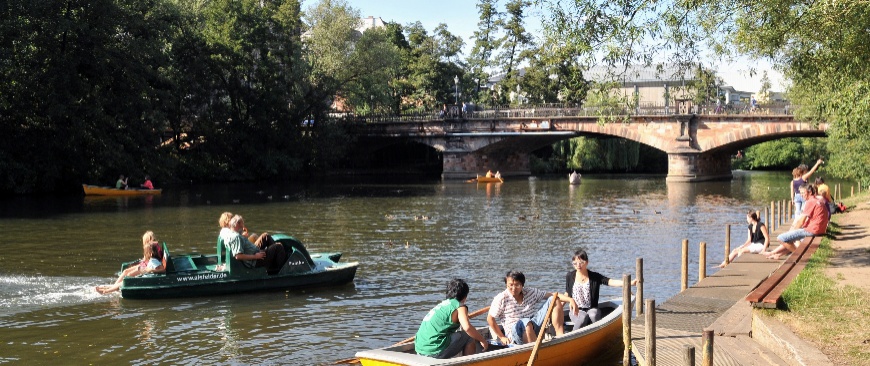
(574, 178)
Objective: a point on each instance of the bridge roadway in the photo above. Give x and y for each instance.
(699, 146)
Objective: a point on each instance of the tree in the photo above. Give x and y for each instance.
(764, 92)
(515, 42)
(80, 87)
(485, 42)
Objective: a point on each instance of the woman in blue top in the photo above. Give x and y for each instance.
(437, 336)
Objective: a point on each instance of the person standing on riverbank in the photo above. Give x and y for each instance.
(801, 176)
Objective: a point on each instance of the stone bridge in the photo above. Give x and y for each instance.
(699, 147)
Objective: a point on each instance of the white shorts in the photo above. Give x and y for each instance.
(756, 248)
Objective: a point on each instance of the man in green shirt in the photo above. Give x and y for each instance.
(437, 336)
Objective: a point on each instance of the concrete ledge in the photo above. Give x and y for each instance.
(780, 340)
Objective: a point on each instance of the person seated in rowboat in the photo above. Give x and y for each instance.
(498, 174)
(438, 337)
(489, 173)
(582, 287)
(121, 183)
(251, 255)
(147, 184)
(756, 242)
(516, 314)
(150, 263)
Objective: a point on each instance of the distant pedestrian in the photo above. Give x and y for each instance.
(464, 109)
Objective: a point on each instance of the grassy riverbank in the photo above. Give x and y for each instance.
(829, 311)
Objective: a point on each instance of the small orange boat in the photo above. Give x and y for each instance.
(91, 190)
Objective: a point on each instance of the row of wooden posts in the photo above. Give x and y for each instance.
(647, 308)
(779, 213)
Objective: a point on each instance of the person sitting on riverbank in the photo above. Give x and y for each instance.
(757, 241)
(825, 192)
(150, 263)
(812, 221)
(582, 286)
(516, 314)
(121, 183)
(272, 257)
(438, 337)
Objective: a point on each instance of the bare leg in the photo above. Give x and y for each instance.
(558, 318)
(530, 335)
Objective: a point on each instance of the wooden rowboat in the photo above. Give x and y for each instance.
(572, 348)
(91, 190)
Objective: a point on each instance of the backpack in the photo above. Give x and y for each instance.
(841, 207)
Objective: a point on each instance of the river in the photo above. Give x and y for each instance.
(56, 249)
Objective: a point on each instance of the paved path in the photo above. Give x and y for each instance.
(717, 303)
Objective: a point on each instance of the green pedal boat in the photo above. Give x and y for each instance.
(218, 274)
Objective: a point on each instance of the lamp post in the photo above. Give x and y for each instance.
(456, 94)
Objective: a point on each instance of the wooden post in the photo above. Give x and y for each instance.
(702, 262)
(688, 355)
(727, 243)
(707, 352)
(626, 320)
(638, 297)
(779, 209)
(766, 217)
(684, 273)
(772, 221)
(650, 325)
(852, 192)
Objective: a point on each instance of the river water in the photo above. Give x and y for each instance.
(57, 249)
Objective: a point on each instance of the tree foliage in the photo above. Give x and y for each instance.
(819, 45)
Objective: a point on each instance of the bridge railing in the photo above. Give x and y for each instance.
(568, 110)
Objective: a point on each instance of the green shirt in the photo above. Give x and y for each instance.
(238, 244)
(434, 333)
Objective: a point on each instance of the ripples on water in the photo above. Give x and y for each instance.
(51, 314)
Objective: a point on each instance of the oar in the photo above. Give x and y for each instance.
(543, 329)
(354, 360)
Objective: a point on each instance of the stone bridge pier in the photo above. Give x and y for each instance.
(467, 164)
(697, 167)
(467, 155)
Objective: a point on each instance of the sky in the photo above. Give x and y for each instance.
(461, 18)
